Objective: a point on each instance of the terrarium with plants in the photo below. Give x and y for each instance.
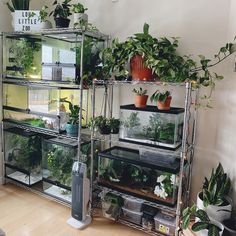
(151, 126)
(23, 56)
(23, 156)
(121, 168)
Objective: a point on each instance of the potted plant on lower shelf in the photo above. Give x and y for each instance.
(203, 223)
(61, 13)
(163, 99)
(141, 97)
(214, 195)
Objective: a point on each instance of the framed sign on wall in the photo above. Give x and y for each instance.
(26, 21)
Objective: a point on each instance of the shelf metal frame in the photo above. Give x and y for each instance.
(186, 149)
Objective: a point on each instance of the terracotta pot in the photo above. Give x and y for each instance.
(164, 105)
(138, 69)
(141, 101)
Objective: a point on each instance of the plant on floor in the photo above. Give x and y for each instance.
(216, 188)
(204, 222)
(18, 5)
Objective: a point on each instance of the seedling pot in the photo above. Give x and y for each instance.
(164, 105)
(141, 101)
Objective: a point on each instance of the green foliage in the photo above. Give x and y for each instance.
(140, 91)
(43, 13)
(203, 222)
(18, 5)
(24, 51)
(114, 124)
(101, 123)
(132, 121)
(78, 8)
(158, 96)
(35, 122)
(61, 10)
(216, 187)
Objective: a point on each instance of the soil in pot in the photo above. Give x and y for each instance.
(62, 22)
(164, 105)
(230, 226)
(141, 101)
(139, 70)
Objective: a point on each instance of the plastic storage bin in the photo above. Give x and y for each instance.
(148, 216)
(165, 223)
(22, 56)
(131, 216)
(23, 156)
(151, 126)
(133, 204)
(121, 169)
(58, 157)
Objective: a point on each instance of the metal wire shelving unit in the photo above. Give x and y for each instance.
(185, 152)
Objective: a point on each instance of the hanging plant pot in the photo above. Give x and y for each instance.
(62, 22)
(72, 130)
(105, 129)
(141, 101)
(139, 70)
(164, 105)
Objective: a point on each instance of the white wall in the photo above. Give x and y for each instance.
(203, 26)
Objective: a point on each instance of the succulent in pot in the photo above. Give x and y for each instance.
(80, 17)
(163, 99)
(115, 125)
(61, 13)
(203, 223)
(214, 195)
(141, 97)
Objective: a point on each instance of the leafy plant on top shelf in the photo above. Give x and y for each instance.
(216, 188)
(203, 222)
(43, 13)
(78, 8)
(18, 5)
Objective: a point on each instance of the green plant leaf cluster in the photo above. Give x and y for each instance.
(18, 5)
(140, 91)
(203, 223)
(216, 188)
(158, 96)
(61, 10)
(43, 13)
(132, 121)
(78, 8)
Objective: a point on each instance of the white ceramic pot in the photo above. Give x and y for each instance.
(205, 231)
(46, 25)
(78, 17)
(218, 213)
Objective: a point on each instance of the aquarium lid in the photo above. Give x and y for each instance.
(133, 157)
(64, 142)
(173, 110)
(19, 131)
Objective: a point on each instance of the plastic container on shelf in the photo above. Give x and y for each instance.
(131, 216)
(149, 213)
(133, 204)
(150, 126)
(165, 223)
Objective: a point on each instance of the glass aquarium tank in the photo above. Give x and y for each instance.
(23, 156)
(150, 126)
(22, 56)
(61, 57)
(122, 169)
(50, 105)
(59, 155)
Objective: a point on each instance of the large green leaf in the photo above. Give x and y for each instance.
(186, 221)
(146, 28)
(213, 230)
(202, 215)
(199, 226)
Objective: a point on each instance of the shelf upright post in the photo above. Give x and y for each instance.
(187, 105)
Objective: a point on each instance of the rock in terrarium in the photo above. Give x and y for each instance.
(23, 156)
(122, 169)
(151, 126)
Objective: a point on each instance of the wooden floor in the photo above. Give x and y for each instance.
(25, 213)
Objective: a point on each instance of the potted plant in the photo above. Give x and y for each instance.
(61, 13)
(79, 16)
(45, 24)
(18, 5)
(140, 97)
(214, 195)
(100, 123)
(73, 123)
(114, 125)
(203, 223)
(163, 100)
